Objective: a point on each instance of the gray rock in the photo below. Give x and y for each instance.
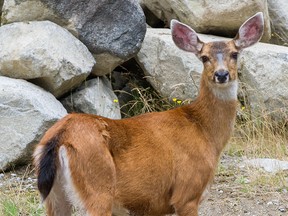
(172, 72)
(217, 17)
(113, 28)
(106, 63)
(279, 21)
(263, 70)
(96, 97)
(1, 4)
(46, 53)
(26, 112)
(268, 164)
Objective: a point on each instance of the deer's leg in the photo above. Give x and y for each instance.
(90, 178)
(57, 203)
(188, 209)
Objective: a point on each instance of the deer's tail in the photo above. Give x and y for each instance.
(46, 160)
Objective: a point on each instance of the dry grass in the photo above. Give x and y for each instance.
(18, 194)
(146, 100)
(257, 136)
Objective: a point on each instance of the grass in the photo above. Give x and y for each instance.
(18, 194)
(258, 136)
(9, 207)
(21, 204)
(250, 182)
(145, 100)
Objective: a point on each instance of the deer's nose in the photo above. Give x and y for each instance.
(221, 76)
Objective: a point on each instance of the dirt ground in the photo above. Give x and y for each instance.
(244, 191)
(235, 191)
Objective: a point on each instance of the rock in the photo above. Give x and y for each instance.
(1, 4)
(45, 53)
(263, 70)
(26, 112)
(112, 28)
(106, 63)
(269, 165)
(279, 21)
(151, 19)
(282, 209)
(211, 17)
(172, 72)
(96, 97)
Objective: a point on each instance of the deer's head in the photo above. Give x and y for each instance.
(220, 57)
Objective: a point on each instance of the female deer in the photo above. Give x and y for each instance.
(152, 164)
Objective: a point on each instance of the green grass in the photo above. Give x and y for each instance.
(9, 208)
(18, 195)
(25, 203)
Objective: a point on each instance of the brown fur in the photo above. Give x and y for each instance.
(152, 164)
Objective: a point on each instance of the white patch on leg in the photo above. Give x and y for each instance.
(119, 210)
(71, 192)
(205, 193)
(226, 92)
(57, 201)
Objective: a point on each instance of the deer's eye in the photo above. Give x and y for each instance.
(234, 55)
(204, 58)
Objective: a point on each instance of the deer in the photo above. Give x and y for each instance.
(156, 163)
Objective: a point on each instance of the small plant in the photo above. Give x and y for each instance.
(146, 100)
(9, 208)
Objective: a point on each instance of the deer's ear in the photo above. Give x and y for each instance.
(185, 37)
(250, 32)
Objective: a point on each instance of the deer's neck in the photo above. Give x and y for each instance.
(214, 111)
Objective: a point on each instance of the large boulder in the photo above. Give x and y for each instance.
(96, 97)
(26, 112)
(210, 16)
(44, 53)
(279, 21)
(263, 70)
(112, 30)
(172, 72)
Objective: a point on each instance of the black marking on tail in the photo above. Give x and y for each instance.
(47, 167)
